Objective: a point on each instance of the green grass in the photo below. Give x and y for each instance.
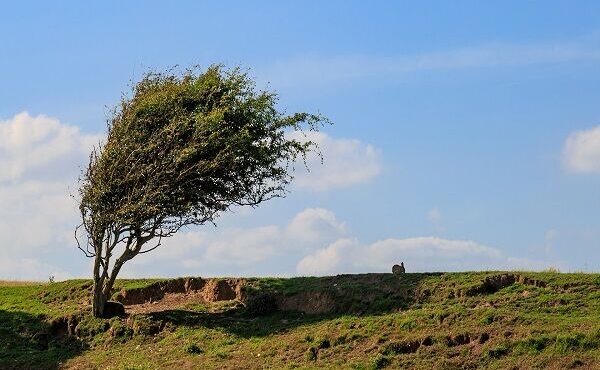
(376, 321)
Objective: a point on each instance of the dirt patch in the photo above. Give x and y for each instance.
(169, 301)
(492, 284)
(307, 302)
(458, 340)
(222, 290)
(209, 290)
(404, 347)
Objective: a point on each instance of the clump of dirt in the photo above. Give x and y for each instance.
(210, 290)
(492, 284)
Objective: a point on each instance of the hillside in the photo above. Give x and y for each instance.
(491, 320)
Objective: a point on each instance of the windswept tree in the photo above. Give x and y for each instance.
(179, 151)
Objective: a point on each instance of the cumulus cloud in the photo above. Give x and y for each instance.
(315, 242)
(314, 225)
(581, 153)
(39, 162)
(41, 144)
(40, 159)
(345, 162)
(235, 251)
(419, 254)
(326, 261)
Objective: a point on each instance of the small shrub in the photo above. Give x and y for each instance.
(193, 349)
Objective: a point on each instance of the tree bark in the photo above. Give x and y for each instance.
(98, 303)
(104, 281)
(98, 298)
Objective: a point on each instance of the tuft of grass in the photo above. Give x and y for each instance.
(193, 349)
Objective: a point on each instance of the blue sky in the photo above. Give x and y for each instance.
(466, 134)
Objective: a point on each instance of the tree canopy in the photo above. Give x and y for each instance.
(180, 150)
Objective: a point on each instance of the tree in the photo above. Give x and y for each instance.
(180, 150)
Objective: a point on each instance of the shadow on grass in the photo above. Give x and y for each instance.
(25, 343)
(349, 295)
(237, 322)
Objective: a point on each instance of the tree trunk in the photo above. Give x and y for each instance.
(98, 298)
(103, 287)
(98, 301)
(103, 280)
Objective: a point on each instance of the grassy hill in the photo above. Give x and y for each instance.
(486, 320)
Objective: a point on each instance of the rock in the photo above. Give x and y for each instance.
(398, 269)
(112, 309)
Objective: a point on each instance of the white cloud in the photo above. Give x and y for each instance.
(315, 242)
(241, 250)
(581, 153)
(346, 162)
(38, 217)
(42, 144)
(318, 71)
(314, 225)
(326, 261)
(418, 254)
(40, 158)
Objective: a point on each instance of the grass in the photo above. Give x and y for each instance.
(374, 321)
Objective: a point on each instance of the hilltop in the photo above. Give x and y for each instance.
(471, 320)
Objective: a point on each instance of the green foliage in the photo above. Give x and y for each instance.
(184, 147)
(179, 151)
